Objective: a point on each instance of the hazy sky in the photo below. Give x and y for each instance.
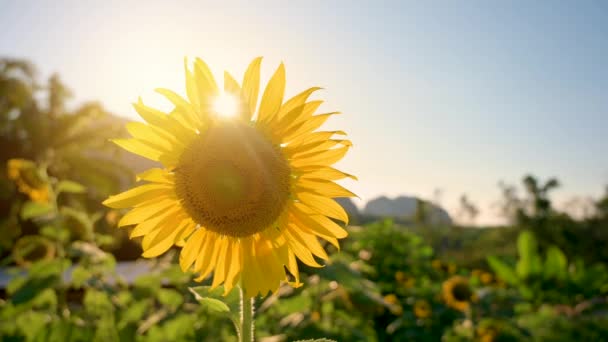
(455, 95)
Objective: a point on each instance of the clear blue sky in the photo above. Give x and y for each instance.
(450, 95)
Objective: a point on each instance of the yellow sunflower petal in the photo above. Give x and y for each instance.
(156, 244)
(321, 172)
(309, 140)
(223, 262)
(324, 188)
(231, 86)
(273, 95)
(307, 126)
(152, 136)
(323, 205)
(234, 269)
(156, 175)
(209, 254)
(164, 122)
(307, 241)
(140, 148)
(184, 110)
(191, 249)
(296, 101)
(295, 118)
(142, 213)
(327, 157)
(191, 88)
(318, 223)
(319, 146)
(300, 250)
(251, 84)
(136, 195)
(205, 84)
(153, 223)
(180, 239)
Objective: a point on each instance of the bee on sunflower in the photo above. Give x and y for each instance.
(245, 196)
(457, 293)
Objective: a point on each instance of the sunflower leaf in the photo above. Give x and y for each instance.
(212, 304)
(71, 187)
(35, 209)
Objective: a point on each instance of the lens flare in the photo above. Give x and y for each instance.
(225, 105)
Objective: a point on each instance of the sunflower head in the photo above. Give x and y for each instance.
(457, 293)
(30, 180)
(245, 196)
(422, 309)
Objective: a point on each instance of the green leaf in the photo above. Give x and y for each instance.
(556, 264)
(98, 303)
(80, 275)
(133, 313)
(170, 298)
(529, 261)
(71, 187)
(502, 270)
(35, 209)
(212, 304)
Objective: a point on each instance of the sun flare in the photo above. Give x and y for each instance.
(226, 105)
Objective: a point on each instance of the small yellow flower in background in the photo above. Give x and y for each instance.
(457, 293)
(315, 316)
(405, 280)
(422, 309)
(486, 334)
(245, 192)
(393, 304)
(486, 278)
(391, 298)
(29, 179)
(452, 268)
(436, 264)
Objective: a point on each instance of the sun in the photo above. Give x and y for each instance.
(225, 105)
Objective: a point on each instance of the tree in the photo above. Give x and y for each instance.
(35, 125)
(468, 211)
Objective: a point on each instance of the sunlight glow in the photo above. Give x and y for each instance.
(226, 105)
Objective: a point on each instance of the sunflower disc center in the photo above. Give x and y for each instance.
(232, 180)
(462, 292)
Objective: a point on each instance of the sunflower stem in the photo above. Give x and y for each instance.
(247, 324)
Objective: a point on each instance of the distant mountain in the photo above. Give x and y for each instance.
(404, 207)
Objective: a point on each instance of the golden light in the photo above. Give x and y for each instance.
(226, 105)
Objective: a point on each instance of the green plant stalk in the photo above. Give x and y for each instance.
(247, 324)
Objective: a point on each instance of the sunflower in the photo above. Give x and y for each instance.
(422, 309)
(29, 179)
(393, 303)
(457, 293)
(244, 196)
